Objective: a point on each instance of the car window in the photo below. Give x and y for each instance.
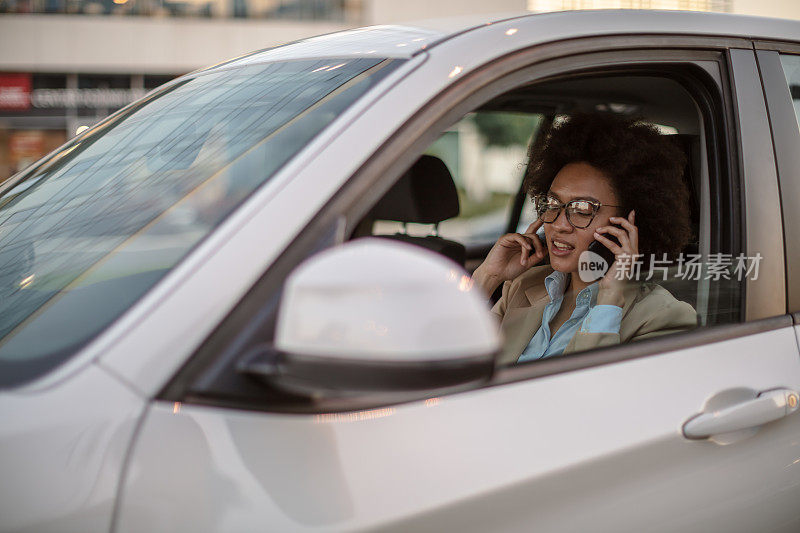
(699, 282)
(791, 69)
(88, 232)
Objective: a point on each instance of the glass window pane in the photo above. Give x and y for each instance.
(492, 146)
(86, 234)
(791, 68)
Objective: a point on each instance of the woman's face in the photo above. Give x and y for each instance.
(573, 182)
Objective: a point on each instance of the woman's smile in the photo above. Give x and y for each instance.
(561, 248)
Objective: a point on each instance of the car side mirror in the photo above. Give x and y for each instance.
(376, 315)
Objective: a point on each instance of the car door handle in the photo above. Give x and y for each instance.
(766, 407)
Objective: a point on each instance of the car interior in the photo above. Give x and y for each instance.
(430, 204)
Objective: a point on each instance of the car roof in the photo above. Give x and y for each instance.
(407, 40)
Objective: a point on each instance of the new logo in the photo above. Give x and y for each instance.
(591, 266)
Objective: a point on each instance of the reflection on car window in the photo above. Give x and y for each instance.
(87, 233)
(791, 68)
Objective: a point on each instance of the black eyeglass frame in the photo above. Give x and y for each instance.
(545, 199)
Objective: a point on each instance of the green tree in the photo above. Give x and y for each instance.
(506, 129)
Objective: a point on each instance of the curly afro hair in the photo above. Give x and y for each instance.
(644, 167)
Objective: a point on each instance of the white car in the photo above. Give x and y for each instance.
(188, 341)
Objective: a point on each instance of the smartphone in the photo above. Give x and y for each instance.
(600, 249)
(543, 240)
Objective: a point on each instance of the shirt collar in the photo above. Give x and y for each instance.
(556, 283)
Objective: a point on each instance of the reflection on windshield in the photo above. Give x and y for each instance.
(88, 232)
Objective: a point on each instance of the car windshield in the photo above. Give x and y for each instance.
(94, 226)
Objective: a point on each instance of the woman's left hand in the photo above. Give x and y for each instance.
(625, 254)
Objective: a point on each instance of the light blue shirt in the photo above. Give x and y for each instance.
(587, 316)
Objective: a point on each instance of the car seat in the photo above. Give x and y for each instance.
(424, 194)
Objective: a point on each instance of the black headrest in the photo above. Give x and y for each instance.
(425, 194)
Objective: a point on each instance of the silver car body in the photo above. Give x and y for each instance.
(90, 448)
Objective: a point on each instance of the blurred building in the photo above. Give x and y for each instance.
(65, 64)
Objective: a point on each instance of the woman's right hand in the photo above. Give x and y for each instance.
(511, 255)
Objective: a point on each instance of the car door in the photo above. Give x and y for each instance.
(592, 442)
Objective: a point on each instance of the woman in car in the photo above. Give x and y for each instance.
(593, 177)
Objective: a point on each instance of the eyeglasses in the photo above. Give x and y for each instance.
(580, 213)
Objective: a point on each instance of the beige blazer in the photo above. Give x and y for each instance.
(649, 310)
